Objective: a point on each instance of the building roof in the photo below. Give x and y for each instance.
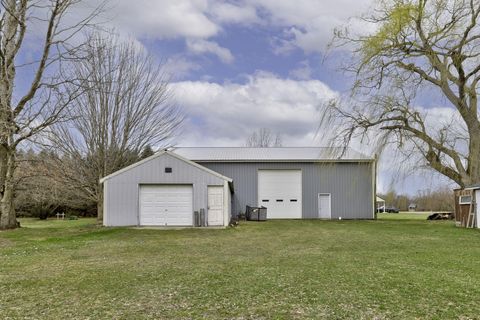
(160, 153)
(473, 187)
(380, 199)
(285, 154)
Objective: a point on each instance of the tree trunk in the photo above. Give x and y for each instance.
(8, 218)
(473, 169)
(100, 203)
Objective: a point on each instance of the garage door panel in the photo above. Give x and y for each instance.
(281, 192)
(166, 205)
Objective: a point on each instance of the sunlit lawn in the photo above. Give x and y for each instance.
(404, 215)
(395, 267)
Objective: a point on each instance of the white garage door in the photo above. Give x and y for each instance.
(166, 205)
(281, 192)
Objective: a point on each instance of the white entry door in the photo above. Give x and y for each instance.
(280, 191)
(324, 206)
(166, 205)
(215, 206)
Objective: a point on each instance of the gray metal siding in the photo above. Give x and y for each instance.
(121, 191)
(349, 183)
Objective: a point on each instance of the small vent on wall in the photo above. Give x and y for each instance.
(168, 170)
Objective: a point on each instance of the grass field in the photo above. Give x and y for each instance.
(403, 215)
(392, 268)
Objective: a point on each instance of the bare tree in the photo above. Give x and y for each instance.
(419, 50)
(24, 114)
(126, 107)
(264, 138)
(39, 186)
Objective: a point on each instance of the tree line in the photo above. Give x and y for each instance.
(441, 199)
(48, 182)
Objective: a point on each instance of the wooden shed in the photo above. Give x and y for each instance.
(463, 201)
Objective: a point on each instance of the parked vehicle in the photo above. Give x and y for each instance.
(389, 209)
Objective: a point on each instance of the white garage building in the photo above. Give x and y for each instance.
(165, 190)
(293, 183)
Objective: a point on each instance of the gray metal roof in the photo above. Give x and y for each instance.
(473, 187)
(297, 154)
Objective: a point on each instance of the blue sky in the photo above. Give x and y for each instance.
(241, 65)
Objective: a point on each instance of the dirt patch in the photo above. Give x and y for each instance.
(5, 243)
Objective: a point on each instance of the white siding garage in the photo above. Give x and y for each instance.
(165, 190)
(281, 192)
(166, 205)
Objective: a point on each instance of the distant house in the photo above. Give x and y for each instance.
(412, 207)
(292, 183)
(381, 204)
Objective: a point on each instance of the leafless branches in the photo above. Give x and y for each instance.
(126, 105)
(264, 138)
(47, 28)
(417, 45)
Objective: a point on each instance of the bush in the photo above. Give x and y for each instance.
(41, 212)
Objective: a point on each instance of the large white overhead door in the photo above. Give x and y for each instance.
(281, 192)
(166, 205)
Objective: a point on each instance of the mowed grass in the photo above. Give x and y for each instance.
(384, 269)
(404, 215)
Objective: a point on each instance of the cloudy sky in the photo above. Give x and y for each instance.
(241, 65)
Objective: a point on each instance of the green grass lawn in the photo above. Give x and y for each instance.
(385, 269)
(404, 215)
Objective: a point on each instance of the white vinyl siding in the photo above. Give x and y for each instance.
(122, 191)
(280, 191)
(166, 205)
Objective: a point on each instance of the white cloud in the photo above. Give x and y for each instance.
(203, 46)
(168, 19)
(309, 24)
(164, 19)
(304, 24)
(239, 14)
(179, 67)
(225, 114)
(303, 72)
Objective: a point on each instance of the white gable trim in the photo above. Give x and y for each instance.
(156, 155)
